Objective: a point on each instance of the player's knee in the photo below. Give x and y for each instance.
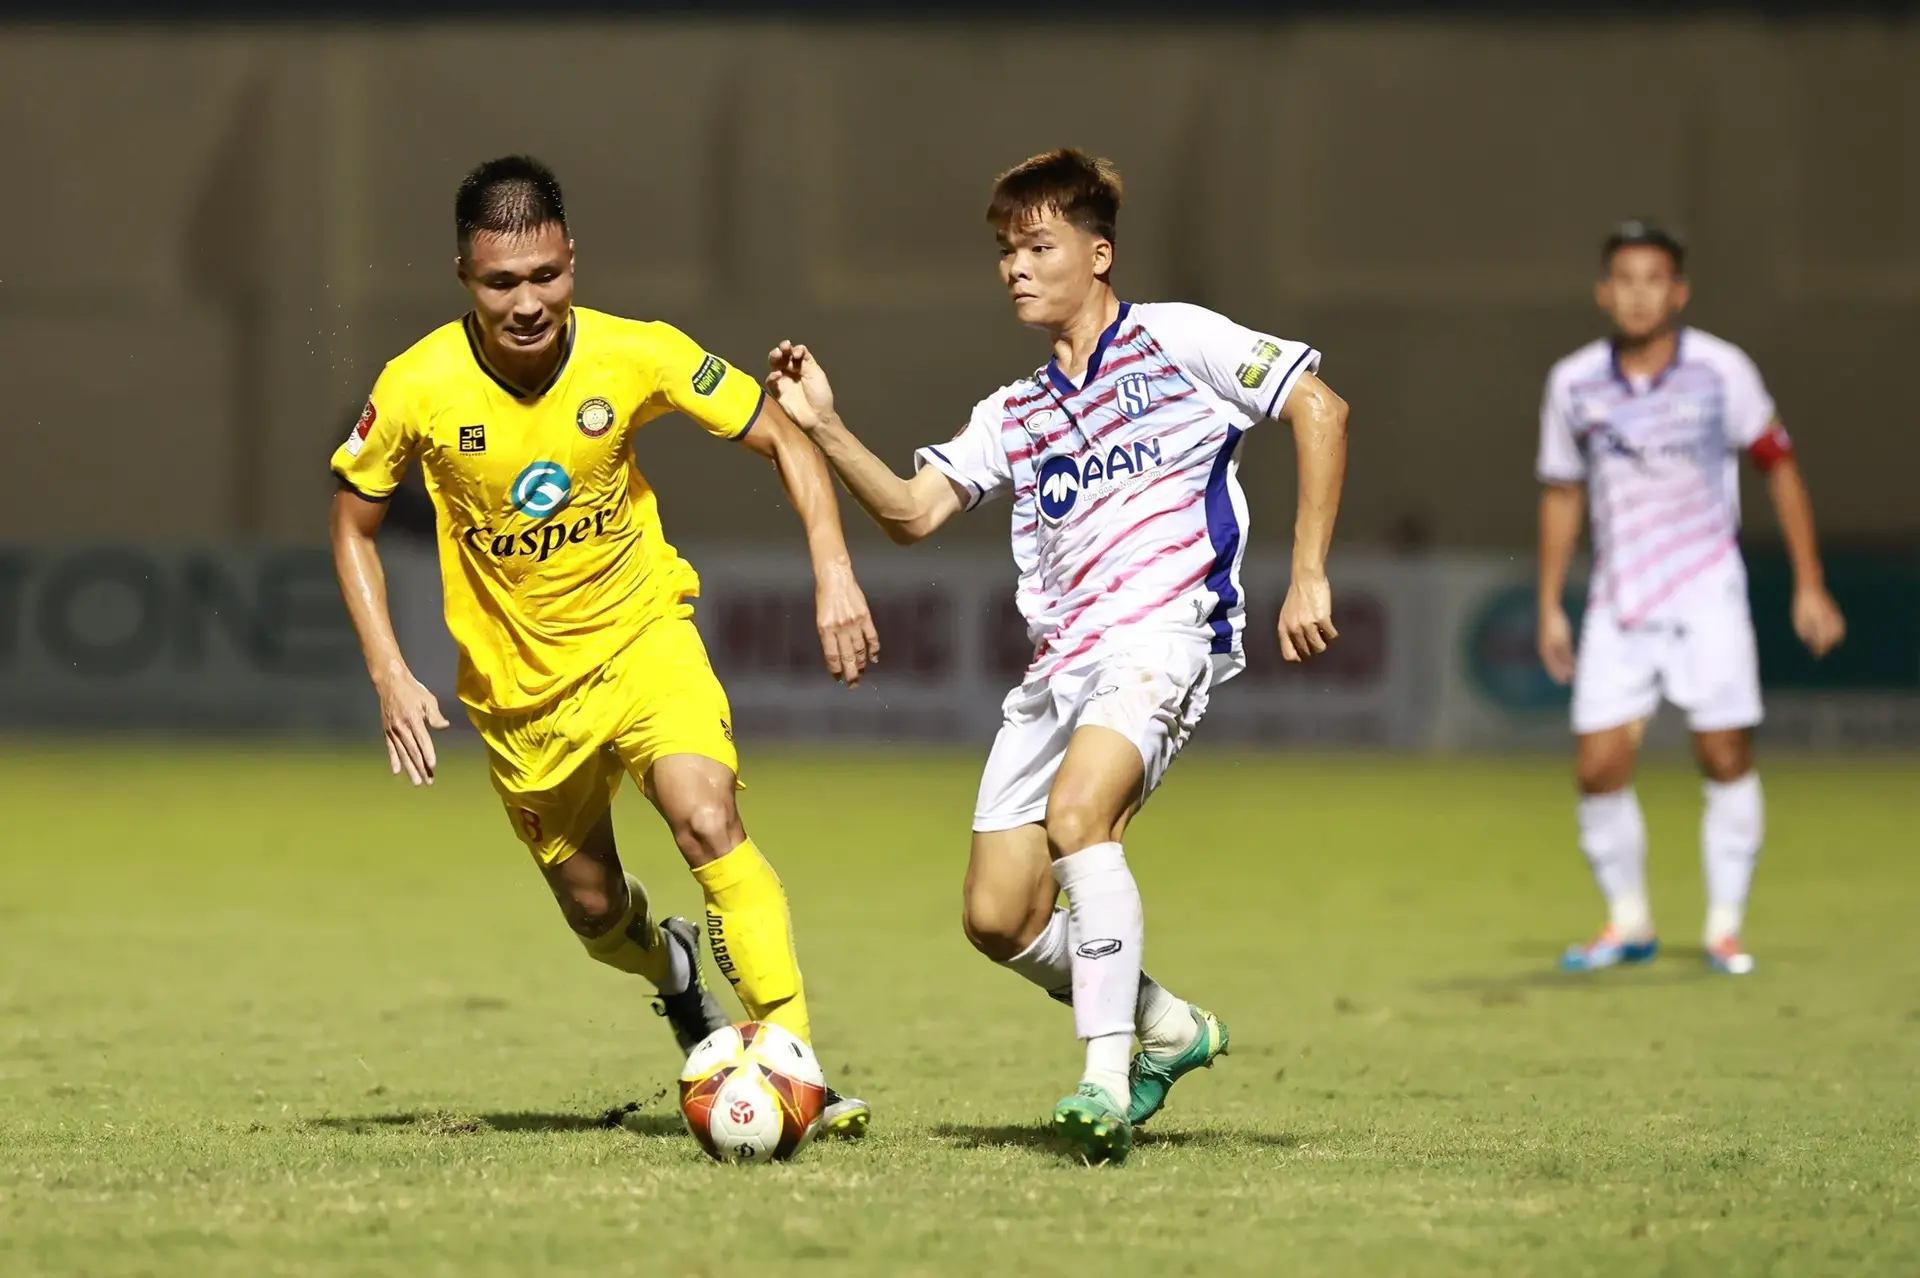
(1724, 757)
(708, 830)
(591, 910)
(1074, 824)
(995, 924)
(1604, 771)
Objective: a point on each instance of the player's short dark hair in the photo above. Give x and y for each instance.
(1641, 230)
(1084, 189)
(508, 196)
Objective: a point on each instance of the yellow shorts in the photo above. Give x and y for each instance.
(558, 768)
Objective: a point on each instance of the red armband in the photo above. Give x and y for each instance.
(1771, 448)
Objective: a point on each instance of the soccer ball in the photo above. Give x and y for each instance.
(752, 1093)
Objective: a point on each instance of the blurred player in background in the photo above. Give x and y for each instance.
(1128, 530)
(1646, 427)
(579, 660)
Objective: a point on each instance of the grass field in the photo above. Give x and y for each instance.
(271, 1012)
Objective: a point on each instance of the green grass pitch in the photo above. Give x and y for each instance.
(269, 1011)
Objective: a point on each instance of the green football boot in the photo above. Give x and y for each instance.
(1092, 1122)
(1154, 1076)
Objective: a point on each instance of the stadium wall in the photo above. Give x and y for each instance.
(1435, 652)
(224, 230)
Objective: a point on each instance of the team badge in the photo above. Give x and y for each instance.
(357, 437)
(1134, 393)
(1258, 364)
(473, 439)
(595, 418)
(541, 490)
(706, 378)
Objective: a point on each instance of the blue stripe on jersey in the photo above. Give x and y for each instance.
(1063, 383)
(1223, 530)
(1106, 338)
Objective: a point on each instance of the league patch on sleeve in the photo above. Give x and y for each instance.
(357, 437)
(706, 378)
(1258, 365)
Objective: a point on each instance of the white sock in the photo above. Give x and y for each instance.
(1107, 932)
(1613, 834)
(1164, 1023)
(1731, 828)
(1048, 961)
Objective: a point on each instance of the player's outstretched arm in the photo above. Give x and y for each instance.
(1562, 508)
(1816, 617)
(1319, 421)
(907, 510)
(407, 709)
(847, 637)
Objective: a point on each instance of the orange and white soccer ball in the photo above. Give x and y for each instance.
(752, 1093)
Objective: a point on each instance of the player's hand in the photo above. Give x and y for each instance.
(1556, 644)
(1817, 620)
(799, 385)
(407, 711)
(846, 629)
(1306, 618)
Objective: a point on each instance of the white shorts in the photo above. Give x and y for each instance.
(1706, 665)
(1153, 694)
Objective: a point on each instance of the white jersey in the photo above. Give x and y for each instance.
(1127, 512)
(1659, 458)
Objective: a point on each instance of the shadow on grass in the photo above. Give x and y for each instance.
(1676, 965)
(447, 1123)
(1042, 1139)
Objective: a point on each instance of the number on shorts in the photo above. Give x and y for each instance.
(530, 822)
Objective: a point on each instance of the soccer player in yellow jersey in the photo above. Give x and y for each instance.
(579, 661)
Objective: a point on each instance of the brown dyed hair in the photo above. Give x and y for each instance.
(1084, 189)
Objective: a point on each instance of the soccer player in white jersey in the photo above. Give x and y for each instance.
(1128, 530)
(1646, 427)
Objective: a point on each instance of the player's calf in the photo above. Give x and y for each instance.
(629, 940)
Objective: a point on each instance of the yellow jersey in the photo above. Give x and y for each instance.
(551, 552)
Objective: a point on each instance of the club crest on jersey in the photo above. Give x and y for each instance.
(541, 490)
(1133, 393)
(595, 418)
(1063, 477)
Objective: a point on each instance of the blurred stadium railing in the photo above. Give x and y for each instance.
(1436, 651)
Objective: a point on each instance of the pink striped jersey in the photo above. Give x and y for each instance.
(1127, 510)
(1659, 457)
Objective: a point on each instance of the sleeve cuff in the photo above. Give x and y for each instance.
(752, 417)
(1309, 361)
(931, 456)
(347, 485)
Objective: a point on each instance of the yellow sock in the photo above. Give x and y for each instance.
(752, 938)
(634, 944)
